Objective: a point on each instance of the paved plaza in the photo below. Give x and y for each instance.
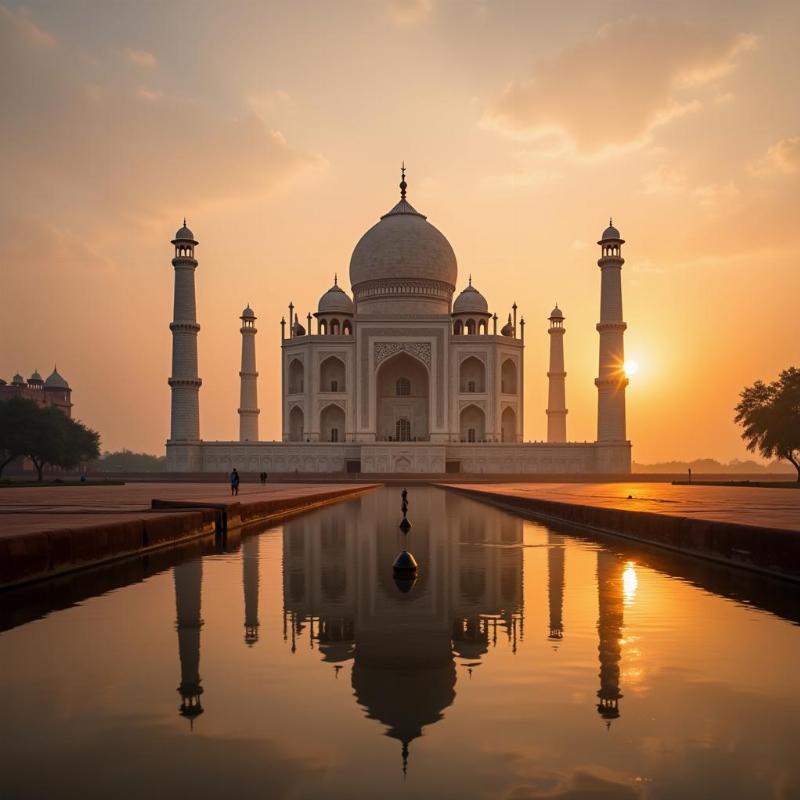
(33, 509)
(771, 508)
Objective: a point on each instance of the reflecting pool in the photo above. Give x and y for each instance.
(522, 663)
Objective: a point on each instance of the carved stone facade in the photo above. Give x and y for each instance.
(402, 377)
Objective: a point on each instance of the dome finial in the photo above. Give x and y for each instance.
(403, 184)
(470, 279)
(335, 278)
(610, 222)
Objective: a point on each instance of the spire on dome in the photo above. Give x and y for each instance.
(335, 278)
(470, 279)
(403, 184)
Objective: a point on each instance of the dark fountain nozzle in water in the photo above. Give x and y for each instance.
(405, 525)
(405, 565)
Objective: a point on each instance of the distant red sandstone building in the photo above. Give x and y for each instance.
(54, 391)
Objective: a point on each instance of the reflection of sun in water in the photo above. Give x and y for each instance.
(630, 367)
(629, 583)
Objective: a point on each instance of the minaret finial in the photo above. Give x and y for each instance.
(403, 184)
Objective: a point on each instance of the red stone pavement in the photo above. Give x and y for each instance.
(33, 509)
(771, 508)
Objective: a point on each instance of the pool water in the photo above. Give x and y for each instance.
(524, 662)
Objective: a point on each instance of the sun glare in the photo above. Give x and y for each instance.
(631, 367)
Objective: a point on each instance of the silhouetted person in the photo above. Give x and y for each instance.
(234, 482)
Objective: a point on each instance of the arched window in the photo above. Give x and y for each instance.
(403, 388)
(335, 327)
(508, 377)
(403, 429)
(470, 327)
(295, 377)
(458, 329)
(347, 329)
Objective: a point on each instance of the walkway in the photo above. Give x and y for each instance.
(770, 508)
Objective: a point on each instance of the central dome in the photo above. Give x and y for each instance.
(403, 263)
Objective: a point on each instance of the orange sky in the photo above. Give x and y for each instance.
(278, 130)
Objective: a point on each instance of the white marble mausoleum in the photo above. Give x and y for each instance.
(400, 376)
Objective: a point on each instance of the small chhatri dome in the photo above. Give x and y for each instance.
(248, 313)
(508, 328)
(298, 329)
(335, 300)
(470, 301)
(611, 233)
(556, 313)
(36, 377)
(18, 380)
(183, 234)
(56, 381)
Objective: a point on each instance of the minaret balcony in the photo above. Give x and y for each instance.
(611, 326)
(184, 327)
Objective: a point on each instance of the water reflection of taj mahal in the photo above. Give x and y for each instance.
(405, 648)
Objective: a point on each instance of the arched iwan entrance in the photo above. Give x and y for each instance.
(403, 400)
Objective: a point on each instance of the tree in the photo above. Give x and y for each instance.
(45, 435)
(770, 417)
(128, 461)
(17, 419)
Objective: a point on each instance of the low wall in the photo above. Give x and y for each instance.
(45, 554)
(772, 551)
(304, 458)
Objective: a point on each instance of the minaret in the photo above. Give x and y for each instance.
(556, 395)
(184, 382)
(250, 567)
(555, 585)
(611, 598)
(611, 380)
(188, 585)
(248, 397)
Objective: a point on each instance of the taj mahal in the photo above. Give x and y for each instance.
(400, 376)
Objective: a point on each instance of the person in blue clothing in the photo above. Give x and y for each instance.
(234, 482)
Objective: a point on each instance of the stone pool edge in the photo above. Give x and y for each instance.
(38, 556)
(769, 551)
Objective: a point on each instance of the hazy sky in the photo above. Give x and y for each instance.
(278, 130)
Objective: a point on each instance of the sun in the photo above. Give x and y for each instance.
(630, 367)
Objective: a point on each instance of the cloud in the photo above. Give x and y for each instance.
(782, 157)
(612, 90)
(664, 181)
(25, 27)
(78, 138)
(141, 58)
(409, 12)
(578, 786)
